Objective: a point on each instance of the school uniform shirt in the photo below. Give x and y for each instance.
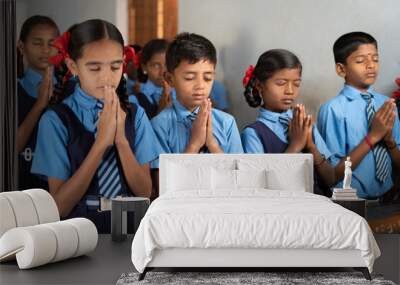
(51, 157)
(343, 124)
(173, 129)
(252, 143)
(218, 95)
(31, 81)
(151, 91)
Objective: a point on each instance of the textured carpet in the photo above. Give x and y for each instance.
(229, 278)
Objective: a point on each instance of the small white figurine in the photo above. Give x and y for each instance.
(347, 174)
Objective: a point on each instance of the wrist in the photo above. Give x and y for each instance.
(391, 144)
(370, 141)
(121, 142)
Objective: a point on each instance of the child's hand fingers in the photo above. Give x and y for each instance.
(301, 116)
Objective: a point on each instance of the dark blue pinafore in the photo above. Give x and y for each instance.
(26, 179)
(79, 144)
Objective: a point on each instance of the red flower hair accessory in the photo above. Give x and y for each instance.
(61, 44)
(396, 94)
(130, 55)
(248, 75)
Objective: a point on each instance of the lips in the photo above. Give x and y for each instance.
(371, 74)
(287, 101)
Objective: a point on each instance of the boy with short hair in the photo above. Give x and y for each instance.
(191, 125)
(360, 122)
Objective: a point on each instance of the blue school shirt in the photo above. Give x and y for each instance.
(51, 154)
(252, 143)
(31, 81)
(343, 124)
(129, 85)
(151, 91)
(173, 130)
(219, 96)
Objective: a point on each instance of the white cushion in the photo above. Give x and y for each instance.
(23, 208)
(283, 172)
(293, 179)
(7, 217)
(251, 178)
(224, 179)
(40, 244)
(186, 177)
(45, 205)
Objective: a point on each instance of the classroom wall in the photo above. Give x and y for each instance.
(242, 30)
(67, 13)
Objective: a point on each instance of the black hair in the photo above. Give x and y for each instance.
(91, 31)
(268, 63)
(346, 44)
(190, 47)
(26, 29)
(151, 48)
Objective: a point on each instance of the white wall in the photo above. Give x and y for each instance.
(68, 12)
(242, 30)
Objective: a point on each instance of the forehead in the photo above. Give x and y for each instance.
(364, 49)
(158, 57)
(102, 51)
(287, 73)
(202, 66)
(43, 32)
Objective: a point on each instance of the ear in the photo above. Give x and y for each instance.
(341, 69)
(169, 77)
(71, 66)
(20, 46)
(258, 86)
(144, 68)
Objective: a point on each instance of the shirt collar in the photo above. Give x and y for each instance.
(181, 111)
(149, 88)
(273, 116)
(85, 100)
(352, 93)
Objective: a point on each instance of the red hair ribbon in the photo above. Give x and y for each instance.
(396, 94)
(61, 44)
(248, 75)
(130, 55)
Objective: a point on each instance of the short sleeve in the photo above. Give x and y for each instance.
(251, 142)
(146, 147)
(51, 155)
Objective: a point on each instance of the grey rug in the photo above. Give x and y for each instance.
(229, 278)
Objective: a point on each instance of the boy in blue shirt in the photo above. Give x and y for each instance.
(360, 122)
(191, 125)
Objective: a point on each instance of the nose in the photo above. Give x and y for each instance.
(371, 63)
(289, 88)
(200, 84)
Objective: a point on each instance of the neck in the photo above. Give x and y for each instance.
(362, 89)
(275, 110)
(39, 70)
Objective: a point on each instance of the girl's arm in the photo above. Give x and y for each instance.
(298, 130)
(68, 193)
(29, 123)
(137, 176)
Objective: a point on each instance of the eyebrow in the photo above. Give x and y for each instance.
(100, 63)
(194, 72)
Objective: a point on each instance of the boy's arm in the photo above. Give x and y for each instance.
(379, 127)
(392, 140)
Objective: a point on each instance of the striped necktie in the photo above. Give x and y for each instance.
(380, 153)
(284, 120)
(191, 117)
(108, 175)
